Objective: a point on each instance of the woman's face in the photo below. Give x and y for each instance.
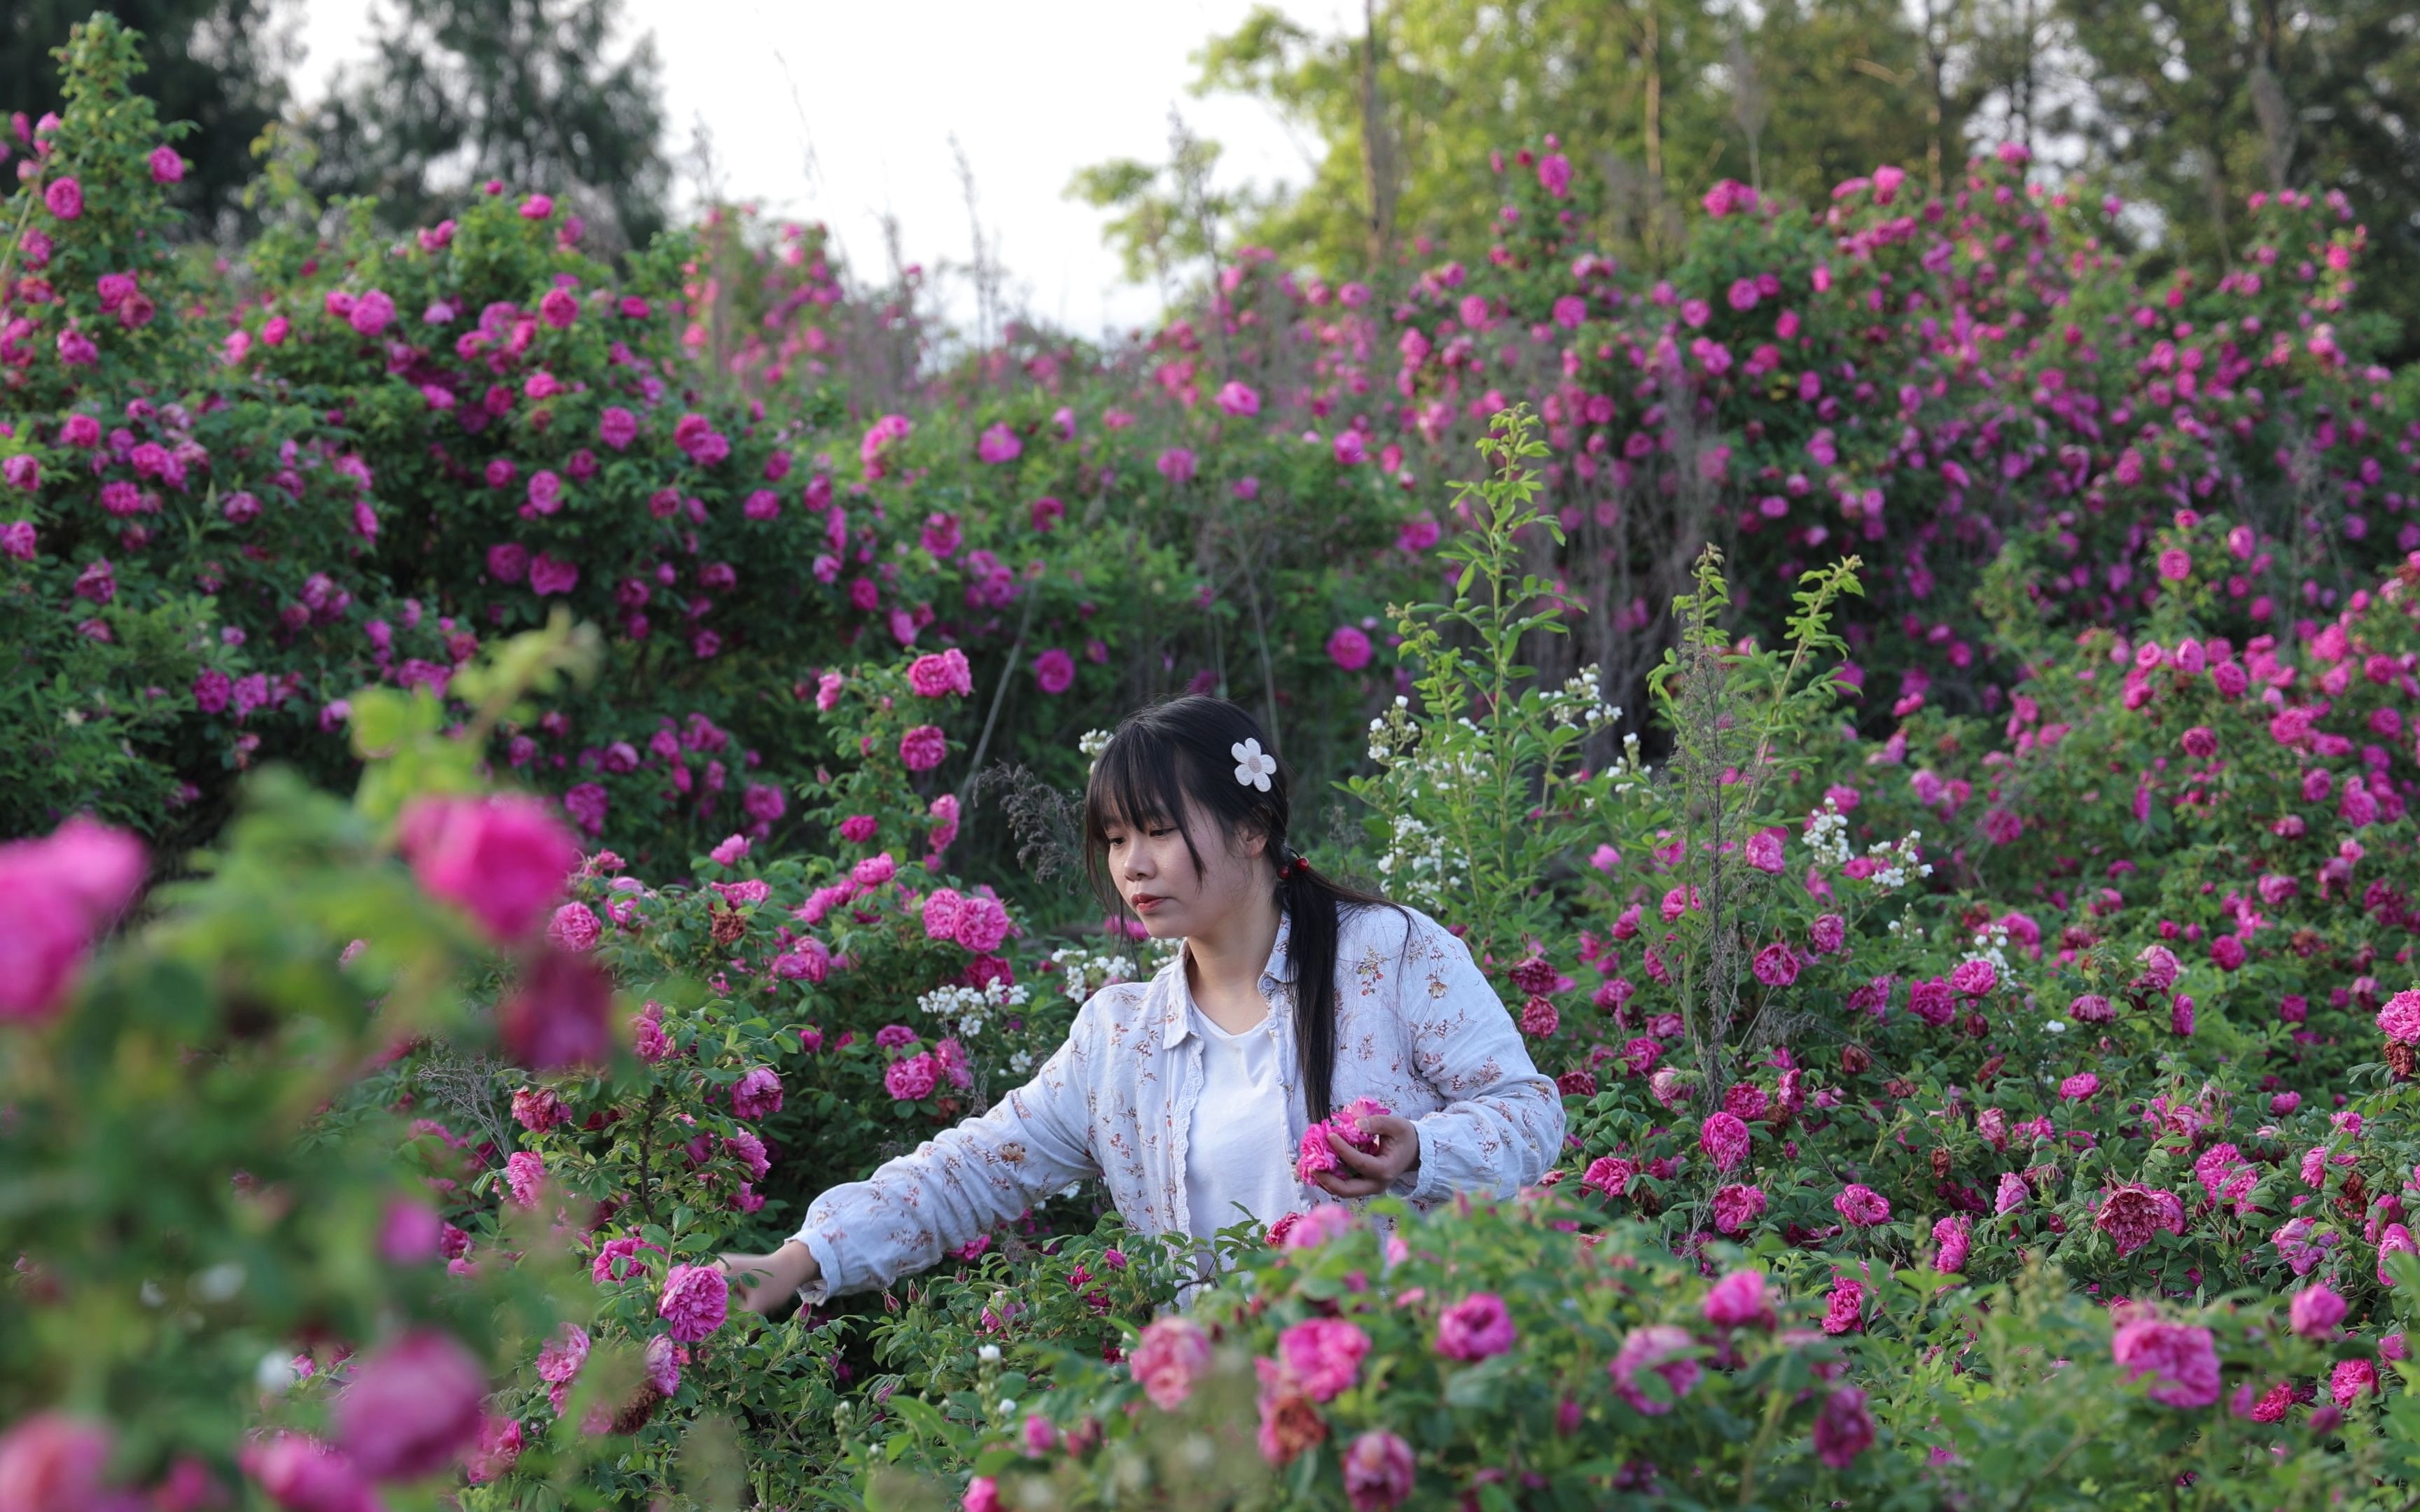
(1156, 876)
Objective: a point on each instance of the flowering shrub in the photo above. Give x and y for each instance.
(1989, 1026)
(226, 504)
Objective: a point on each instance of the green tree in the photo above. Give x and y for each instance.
(216, 63)
(1656, 98)
(2194, 104)
(525, 91)
(1846, 82)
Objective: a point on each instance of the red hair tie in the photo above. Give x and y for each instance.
(1301, 864)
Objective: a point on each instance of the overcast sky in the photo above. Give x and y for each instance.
(839, 112)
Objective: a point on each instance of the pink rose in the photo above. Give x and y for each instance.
(2180, 1360)
(1475, 1328)
(1738, 1301)
(52, 1462)
(64, 891)
(1861, 1206)
(1348, 648)
(1844, 1427)
(1322, 1356)
(696, 1301)
(1659, 1350)
(2316, 1311)
(1378, 1471)
(412, 1408)
(502, 859)
(1171, 1355)
(1725, 1140)
(922, 748)
(306, 1475)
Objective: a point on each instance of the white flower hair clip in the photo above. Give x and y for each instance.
(1253, 766)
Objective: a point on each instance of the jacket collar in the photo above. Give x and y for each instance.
(1176, 1021)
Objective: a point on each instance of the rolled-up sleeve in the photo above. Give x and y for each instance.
(960, 1183)
(1502, 1124)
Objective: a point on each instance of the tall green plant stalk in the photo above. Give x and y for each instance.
(1481, 793)
(1730, 709)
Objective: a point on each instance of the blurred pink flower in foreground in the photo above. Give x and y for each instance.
(503, 859)
(64, 891)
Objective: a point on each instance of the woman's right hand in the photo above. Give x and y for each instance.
(764, 1280)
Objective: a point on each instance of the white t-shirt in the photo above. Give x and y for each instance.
(1238, 1147)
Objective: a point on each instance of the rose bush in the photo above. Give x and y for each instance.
(1979, 973)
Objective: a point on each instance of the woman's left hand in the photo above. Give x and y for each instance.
(1365, 1172)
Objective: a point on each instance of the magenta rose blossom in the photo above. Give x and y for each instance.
(574, 928)
(1054, 671)
(1844, 1427)
(913, 1079)
(52, 1462)
(1322, 1356)
(1861, 1206)
(1475, 1328)
(2180, 1360)
(558, 1014)
(1314, 1155)
(1608, 1175)
(1378, 1471)
(2399, 1020)
(306, 1475)
(1736, 1206)
(64, 891)
(757, 1095)
(940, 675)
(696, 1301)
(1724, 1138)
(501, 859)
(1738, 1301)
(2316, 1311)
(412, 1408)
(1660, 1349)
(921, 748)
(65, 198)
(1348, 648)
(1775, 966)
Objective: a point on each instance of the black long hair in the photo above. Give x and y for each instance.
(1161, 755)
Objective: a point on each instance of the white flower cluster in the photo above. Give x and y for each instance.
(1392, 731)
(1092, 743)
(1582, 702)
(1422, 869)
(1991, 943)
(1629, 771)
(966, 1009)
(1900, 861)
(1082, 973)
(1827, 835)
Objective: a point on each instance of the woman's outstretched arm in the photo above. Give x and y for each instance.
(959, 1184)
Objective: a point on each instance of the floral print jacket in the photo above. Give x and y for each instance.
(1417, 1028)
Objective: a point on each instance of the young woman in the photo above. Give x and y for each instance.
(1188, 1094)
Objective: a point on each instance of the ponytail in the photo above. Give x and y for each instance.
(1314, 907)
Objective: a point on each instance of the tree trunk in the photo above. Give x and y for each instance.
(1935, 51)
(1377, 167)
